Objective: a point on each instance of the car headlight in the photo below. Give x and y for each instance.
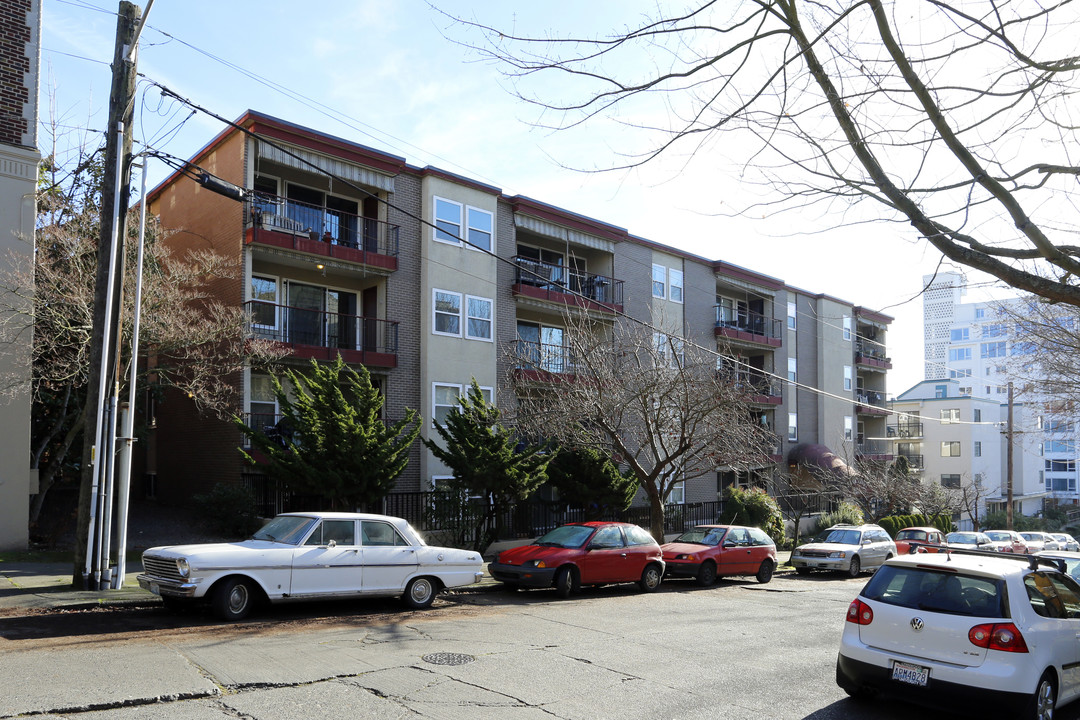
(685, 557)
(838, 554)
(183, 568)
(534, 564)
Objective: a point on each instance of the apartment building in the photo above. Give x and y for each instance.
(980, 348)
(19, 159)
(952, 438)
(395, 277)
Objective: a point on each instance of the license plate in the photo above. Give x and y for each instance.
(910, 674)
(155, 588)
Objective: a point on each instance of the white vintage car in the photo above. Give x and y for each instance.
(305, 556)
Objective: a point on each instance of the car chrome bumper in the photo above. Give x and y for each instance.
(169, 588)
(821, 563)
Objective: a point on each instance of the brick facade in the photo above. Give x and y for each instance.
(18, 72)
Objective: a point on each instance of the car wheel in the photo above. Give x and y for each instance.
(650, 578)
(1041, 705)
(802, 571)
(564, 582)
(765, 572)
(855, 567)
(420, 593)
(233, 598)
(706, 574)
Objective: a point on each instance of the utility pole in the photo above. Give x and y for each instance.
(104, 358)
(1009, 464)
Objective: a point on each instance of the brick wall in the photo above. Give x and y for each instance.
(17, 84)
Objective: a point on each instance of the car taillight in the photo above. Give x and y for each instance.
(998, 636)
(859, 613)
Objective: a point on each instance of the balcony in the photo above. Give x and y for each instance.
(870, 402)
(565, 286)
(871, 357)
(542, 361)
(914, 460)
(747, 327)
(320, 231)
(905, 429)
(761, 389)
(880, 450)
(323, 335)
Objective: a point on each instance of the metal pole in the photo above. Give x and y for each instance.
(93, 563)
(128, 414)
(1009, 464)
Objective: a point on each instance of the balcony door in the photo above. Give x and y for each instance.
(541, 346)
(322, 317)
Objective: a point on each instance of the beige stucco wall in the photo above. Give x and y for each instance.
(18, 172)
(458, 269)
(835, 352)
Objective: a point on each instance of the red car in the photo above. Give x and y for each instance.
(922, 538)
(708, 551)
(589, 553)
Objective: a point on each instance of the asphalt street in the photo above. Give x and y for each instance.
(736, 650)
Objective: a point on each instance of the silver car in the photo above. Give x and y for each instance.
(1066, 541)
(847, 548)
(1037, 541)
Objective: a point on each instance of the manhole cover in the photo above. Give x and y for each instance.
(448, 658)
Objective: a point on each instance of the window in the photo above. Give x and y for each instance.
(380, 534)
(607, 537)
(976, 415)
(954, 374)
(262, 403)
(447, 308)
(1059, 446)
(959, 335)
(480, 226)
(950, 449)
(478, 318)
(992, 350)
(977, 449)
(659, 278)
(264, 302)
(1023, 348)
(792, 426)
(447, 221)
(847, 377)
(669, 351)
(340, 532)
(994, 330)
(444, 398)
(980, 313)
(965, 390)
(847, 327)
(792, 369)
(941, 391)
(677, 494)
(950, 481)
(952, 415)
(791, 315)
(847, 427)
(1068, 466)
(675, 278)
(959, 354)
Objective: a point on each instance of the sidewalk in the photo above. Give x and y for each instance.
(28, 586)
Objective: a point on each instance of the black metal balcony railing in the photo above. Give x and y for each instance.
(530, 355)
(560, 278)
(327, 224)
(914, 460)
(870, 397)
(318, 328)
(747, 321)
(905, 429)
(756, 383)
(871, 351)
(874, 447)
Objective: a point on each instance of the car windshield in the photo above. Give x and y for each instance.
(702, 536)
(567, 536)
(929, 590)
(1031, 536)
(911, 535)
(962, 538)
(999, 536)
(840, 537)
(288, 529)
(1060, 538)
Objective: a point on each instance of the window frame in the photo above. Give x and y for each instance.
(435, 385)
(469, 228)
(435, 312)
(662, 282)
(849, 427)
(490, 319)
(792, 316)
(792, 369)
(672, 285)
(460, 221)
(277, 300)
(950, 448)
(847, 328)
(793, 426)
(848, 378)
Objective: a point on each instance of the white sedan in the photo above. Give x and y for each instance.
(306, 556)
(970, 631)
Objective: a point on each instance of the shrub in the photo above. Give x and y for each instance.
(753, 507)
(229, 510)
(844, 513)
(895, 523)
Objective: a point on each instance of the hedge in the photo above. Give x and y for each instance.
(895, 523)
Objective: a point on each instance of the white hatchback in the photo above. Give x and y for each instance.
(966, 630)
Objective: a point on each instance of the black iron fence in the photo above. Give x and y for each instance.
(319, 328)
(329, 224)
(561, 278)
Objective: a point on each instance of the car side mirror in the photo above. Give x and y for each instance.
(730, 544)
(332, 544)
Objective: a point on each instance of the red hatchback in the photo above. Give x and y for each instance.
(708, 551)
(590, 553)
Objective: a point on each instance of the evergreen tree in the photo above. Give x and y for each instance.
(486, 461)
(331, 441)
(587, 478)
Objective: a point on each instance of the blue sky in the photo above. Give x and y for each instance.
(381, 73)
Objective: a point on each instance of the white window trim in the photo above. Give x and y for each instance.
(435, 220)
(434, 405)
(460, 313)
(849, 427)
(847, 327)
(469, 227)
(793, 427)
(653, 281)
(277, 300)
(465, 318)
(792, 316)
(792, 369)
(671, 285)
(847, 377)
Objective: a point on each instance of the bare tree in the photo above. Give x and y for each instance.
(880, 489)
(658, 404)
(955, 118)
(190, 341)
